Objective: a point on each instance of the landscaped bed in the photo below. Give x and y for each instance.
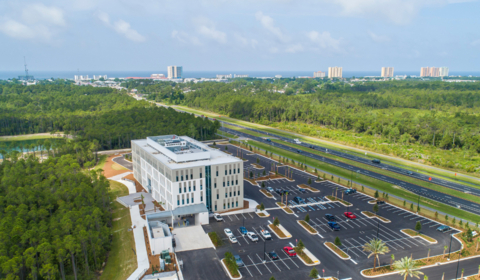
(337, 250)
(266, 193)
(215, 239)
(260, 214)
(413, 233)
(286, 209)
(233, 275)
(371, 215)
(303, 186)
(308, 227)
(333, 198)
(304, 257)
(258, 166)
(279, 232)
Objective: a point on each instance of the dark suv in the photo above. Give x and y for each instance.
(330, 217)
(377, 161)
(298, 200)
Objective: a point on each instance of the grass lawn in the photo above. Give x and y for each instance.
(277, 231)
(28, 137)
(226, 134)
(336, 249)
(116, 166)
(370, 214)
(308, 227)
(413, 233)
(121, 260)
(102, 159)
(265, 192)
(303, 186)
(375, 184)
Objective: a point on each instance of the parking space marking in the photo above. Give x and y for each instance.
(284, 262)
(229, 218)
(247, 270)
(358, 219)
(354, 247)
(436, 224)
(250, 215)
(255, 265)
(317, 225)
(271, 262)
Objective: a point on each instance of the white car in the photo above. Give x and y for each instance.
(252, 236)
(266, 234)
(228, 232)
(218, 218)
(232, 239)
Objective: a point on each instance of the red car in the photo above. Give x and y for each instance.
(289, 251)
(350, 215)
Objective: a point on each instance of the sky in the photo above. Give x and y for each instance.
(246, 35)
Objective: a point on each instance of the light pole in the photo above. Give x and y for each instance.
(458, 264)
(418, 203)
(264, 250)
(450, 247)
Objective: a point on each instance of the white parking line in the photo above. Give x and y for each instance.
(247, 270)
(255, 265)
(272, 262)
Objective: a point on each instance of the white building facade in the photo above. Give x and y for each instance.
(175, 72)
(180, 171)
(335, 72)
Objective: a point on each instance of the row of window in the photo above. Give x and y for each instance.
(226, 194)
(228, 205)
(188, 199)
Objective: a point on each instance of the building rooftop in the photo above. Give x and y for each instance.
(177, 145)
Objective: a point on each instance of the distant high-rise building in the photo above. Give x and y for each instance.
(443, 71)
(175, 72)
(335, 72)
(319, 74)
(434, 72)
(387, 72)
(425, 72)
(219, 76)
(240, 76)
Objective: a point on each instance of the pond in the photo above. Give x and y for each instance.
(26, 145)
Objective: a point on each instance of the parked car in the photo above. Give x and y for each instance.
(443, 228)
(298, 200)
(243, 230)
(174, 244)
(289, 250)
(350, 215)
(377, 161)
(233, 239)
(279, 191)
(217, 217)
(334, 226)
(273, 255)
(350, 191)
(228, 232)
(409, 172)
(238, 260)
(252, 236)
(266, 234)
(330, 217)
(302, 190)
(380, 202)
(270, 189)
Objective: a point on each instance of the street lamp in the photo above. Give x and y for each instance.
(458, 264)
(264, 250)
(450, 247)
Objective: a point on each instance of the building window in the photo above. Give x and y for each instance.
(183, 201)
(225, 171)
(237, 203)
(184, 189)
(224, 206)
(230, 171)
(228, 183)
(215, 185)
(180, 190)
(218, 196)
(187, 200)
(189, 188)
(201, 187)
(178, 202)
(239, 192)
(177, 178)
(224, 183)
(194, 188)
(232, 182)
(228, 204)
(215, 207)
(226, 194)
(200, 175)
(217, 172)
(239, 170)
(230, 194)
(236, 182)
(192, 199)
(201, 199)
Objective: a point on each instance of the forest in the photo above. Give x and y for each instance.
(433, 122)
(110, 117)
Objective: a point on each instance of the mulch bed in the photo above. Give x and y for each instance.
(108, 171)
(155, 259)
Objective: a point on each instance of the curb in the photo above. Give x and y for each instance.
(228, 271)
(315, 233)
(325, 243)
(419, 236)
(305, 250)
(375, 217)
(287, 235)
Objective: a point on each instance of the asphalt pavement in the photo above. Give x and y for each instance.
(123, 162)
(428, 193)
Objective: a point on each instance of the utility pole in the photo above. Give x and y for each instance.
(450, 247)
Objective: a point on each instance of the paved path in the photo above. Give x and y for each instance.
(140, 247)
(123, 162)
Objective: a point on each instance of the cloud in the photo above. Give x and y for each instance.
(268, 23)
(35, 21)
(252, 43)
(324, 40)
(186, 38)
(207, 28)
(39, 13)
(121, 27)
(378, 38)
(294, 48)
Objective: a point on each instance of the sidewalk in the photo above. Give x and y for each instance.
(140, 247)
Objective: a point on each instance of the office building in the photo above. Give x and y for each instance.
(387, 72)
(335, 72)
(319, 74)
(181, 172)
(175, 72)
(443, 72)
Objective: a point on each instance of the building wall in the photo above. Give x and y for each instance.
(335, 72)
(181, 187)
(387, 72)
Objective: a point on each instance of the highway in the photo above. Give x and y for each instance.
(423, 192)
(437, 181)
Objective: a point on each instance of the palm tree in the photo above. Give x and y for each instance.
(376, 247)
(407, 266)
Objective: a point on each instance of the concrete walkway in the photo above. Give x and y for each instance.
(140, 247)
(130, 185)
(191, 238)
(252, 207)
(120, 176)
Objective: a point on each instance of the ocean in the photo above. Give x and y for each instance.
(41, 75)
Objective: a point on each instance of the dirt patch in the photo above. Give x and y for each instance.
(111, 169)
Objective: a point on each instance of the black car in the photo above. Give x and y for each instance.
(273, 255)
(302, 190)
(330, 217)
(377, 161)
(350, 191)
(279, 191)
(380, 202)
(409, 172)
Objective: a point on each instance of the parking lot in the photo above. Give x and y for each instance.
(353, 233)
